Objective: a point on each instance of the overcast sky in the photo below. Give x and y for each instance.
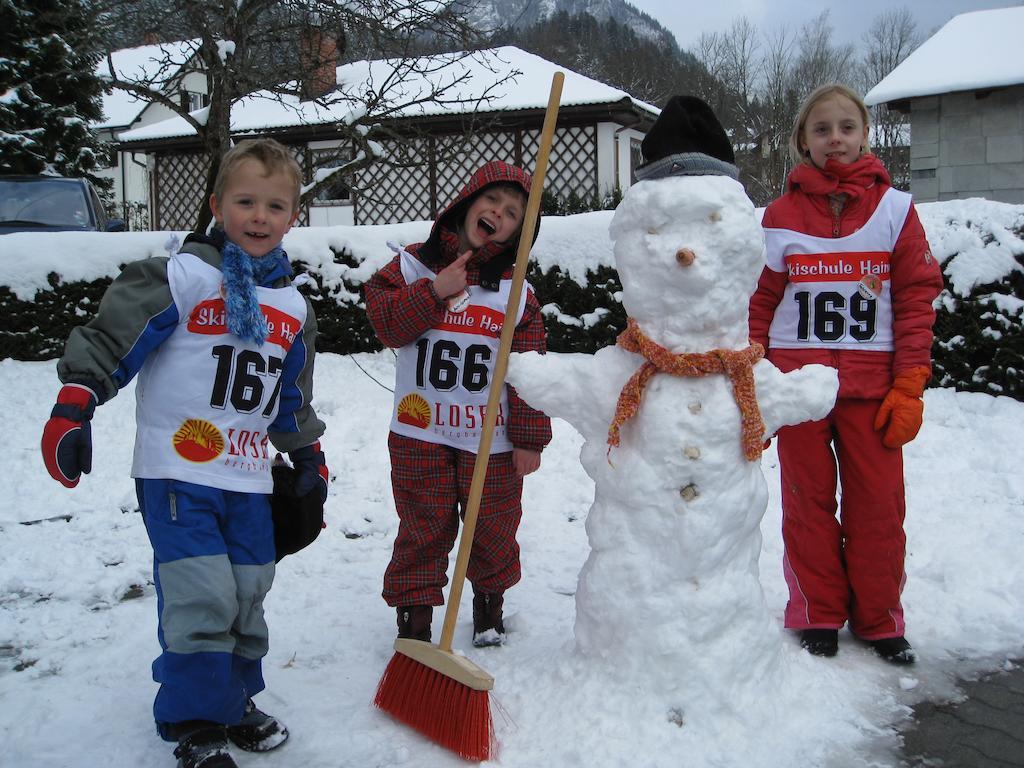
(849, 18)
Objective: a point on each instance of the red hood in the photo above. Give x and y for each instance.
(439, 246)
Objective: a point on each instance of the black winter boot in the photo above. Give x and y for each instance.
(820, 642)
(414, 621)
(895, 650)
(201, 744)
(257, 731)
(488, 624)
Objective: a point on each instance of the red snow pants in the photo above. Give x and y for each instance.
(849, 568)
(431, 484)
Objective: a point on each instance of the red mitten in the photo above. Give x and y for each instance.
(67, 436)
(902, 410)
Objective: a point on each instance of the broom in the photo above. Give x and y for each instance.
(426, 686)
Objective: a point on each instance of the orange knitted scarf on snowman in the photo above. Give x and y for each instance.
(738, 365)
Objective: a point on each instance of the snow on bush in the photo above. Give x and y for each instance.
(51, 282)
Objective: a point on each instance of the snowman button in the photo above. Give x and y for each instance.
(685, 257)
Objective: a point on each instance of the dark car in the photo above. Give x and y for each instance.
(52, 204)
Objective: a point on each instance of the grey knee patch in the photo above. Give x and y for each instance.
(252, 583)
(199, 604)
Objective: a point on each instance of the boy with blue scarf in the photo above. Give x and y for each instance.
(223, 346)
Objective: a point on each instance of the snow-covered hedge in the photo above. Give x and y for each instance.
(979, 329)
(50, 283)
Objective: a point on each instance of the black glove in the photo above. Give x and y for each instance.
(311, 470)
(298, 518)
(67, 436)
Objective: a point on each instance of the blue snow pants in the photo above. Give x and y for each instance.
(213, 564)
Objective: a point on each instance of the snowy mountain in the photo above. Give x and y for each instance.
(519, 14)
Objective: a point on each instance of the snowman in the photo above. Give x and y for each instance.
(674, 418)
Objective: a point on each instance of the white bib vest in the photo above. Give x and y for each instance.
(205, 397)
(838, 295)
(443, 378)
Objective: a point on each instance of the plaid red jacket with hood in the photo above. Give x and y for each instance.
(400, 313)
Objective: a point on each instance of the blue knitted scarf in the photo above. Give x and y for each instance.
(242, 273)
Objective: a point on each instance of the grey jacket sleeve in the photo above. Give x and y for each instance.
(136, 314)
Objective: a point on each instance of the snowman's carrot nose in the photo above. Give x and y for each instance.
(685, 257)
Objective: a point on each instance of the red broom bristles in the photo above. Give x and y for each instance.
(444, 710)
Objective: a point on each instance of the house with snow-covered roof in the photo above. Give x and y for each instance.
(171, 68)
(964, 92)
(495, 112)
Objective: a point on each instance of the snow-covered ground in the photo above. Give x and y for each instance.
(78, 617)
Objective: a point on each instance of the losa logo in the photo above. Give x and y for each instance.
(414, 411)
(199, 441)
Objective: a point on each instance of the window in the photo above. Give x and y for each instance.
(636, 157)
(193, 101)
(336, 192)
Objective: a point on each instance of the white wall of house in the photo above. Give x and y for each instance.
(614, 164)
(331, 215)
(130, 176)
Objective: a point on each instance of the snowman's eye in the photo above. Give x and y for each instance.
(685, 257)
(715, 216)
(652, 231)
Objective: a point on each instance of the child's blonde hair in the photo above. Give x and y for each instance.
(276, 158)
(820, 94)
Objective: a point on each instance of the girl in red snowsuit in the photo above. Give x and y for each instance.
(446, 359)
(849, 282)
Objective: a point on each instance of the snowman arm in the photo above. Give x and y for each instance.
(806, 394)
(580, 388)
(536, 377)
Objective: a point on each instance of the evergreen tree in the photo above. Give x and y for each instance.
(49, 92)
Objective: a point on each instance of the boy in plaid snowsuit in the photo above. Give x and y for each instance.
(441, 304)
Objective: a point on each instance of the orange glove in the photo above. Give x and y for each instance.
(902, 410)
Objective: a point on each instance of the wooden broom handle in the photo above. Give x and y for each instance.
(508, 327)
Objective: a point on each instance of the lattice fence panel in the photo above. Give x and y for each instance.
(458, 159)
(398, 190)
(182, 188)
(181, 180)
(572, 164)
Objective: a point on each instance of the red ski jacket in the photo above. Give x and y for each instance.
(814, 204)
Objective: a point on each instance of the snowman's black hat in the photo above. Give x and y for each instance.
(686, 140)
